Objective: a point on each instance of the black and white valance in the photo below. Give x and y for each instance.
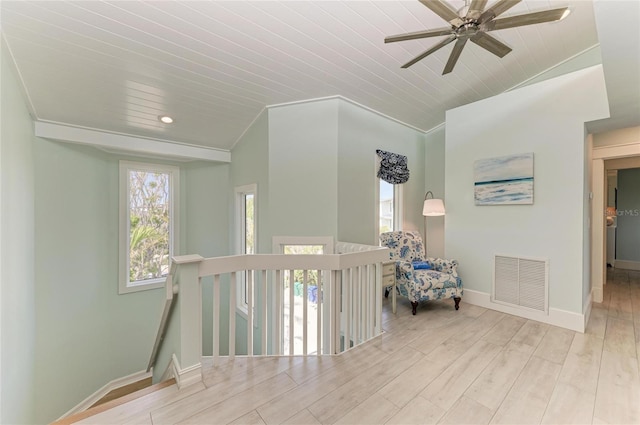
(393, 167)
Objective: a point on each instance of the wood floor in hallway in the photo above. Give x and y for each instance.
(472, 366)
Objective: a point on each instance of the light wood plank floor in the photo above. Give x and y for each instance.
(472, 366)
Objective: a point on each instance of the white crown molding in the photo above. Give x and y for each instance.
(353, 102)
(106, 389)
(128, 144)
(616, 151)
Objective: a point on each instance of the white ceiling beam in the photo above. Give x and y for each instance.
(129, 144)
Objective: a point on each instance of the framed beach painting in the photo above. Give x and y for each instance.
(504, 180)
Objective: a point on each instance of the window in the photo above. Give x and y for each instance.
(292, 245)
(148, 224)
(246, 231)
(389, 206)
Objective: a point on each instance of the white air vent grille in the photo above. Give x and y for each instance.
(521, 282)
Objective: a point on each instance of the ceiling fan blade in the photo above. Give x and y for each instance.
(476, 8)
(497, 9)
(419, 34)
(431, 50)
(491, 44)
(526, 19)
(455, 54)
(444, 11)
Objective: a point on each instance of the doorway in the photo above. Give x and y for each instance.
(624, 155)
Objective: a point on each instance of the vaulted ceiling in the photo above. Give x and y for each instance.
(213, 66)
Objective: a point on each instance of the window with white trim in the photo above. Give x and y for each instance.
(389, 206)
(148, 224)
(246, 230)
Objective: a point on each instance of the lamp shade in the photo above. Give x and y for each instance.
(433, 207)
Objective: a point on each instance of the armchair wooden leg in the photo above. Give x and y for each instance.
(457, 301)
(414, 306)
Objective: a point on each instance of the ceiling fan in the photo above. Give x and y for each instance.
(473, 23)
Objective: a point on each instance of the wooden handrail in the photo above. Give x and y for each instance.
(171, 291)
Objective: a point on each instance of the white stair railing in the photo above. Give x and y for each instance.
(345, 312)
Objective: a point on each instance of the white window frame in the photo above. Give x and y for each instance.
(240, 193)
(124, 285)
(397, 208)
(278, 244)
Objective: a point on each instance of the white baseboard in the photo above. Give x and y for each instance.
(627, 265)
(184, 377)
(556, 317)
(106, 389)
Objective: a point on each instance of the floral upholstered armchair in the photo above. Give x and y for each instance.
(419, 278)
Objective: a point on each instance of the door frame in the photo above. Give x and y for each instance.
(598, 227)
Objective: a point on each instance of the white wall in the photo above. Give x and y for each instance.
(17, 279)
(547, 119)
(618, 137)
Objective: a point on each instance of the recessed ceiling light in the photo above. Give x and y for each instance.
(165, 119)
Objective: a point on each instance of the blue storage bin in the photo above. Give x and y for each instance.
(312, 294)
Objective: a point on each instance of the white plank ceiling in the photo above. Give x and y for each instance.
(213, 66)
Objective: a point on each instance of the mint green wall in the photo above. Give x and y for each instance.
(250, 165)
(17, 385)
(434, 182)
(303, 170)
(315, 166)
(87, 334)
(547, 119)
(360, 133)
(206, 225)
(204, 210)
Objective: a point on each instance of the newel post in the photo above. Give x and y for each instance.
(190, 307)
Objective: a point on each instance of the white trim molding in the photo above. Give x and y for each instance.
(125, 286)
(597, 294)
(278, 243)
(556, 317)
(106, 389)
(184, 377)
(598, 229)
(616, 151)
(123, 143)
(586, 309)
(627, 265)
(346, 99)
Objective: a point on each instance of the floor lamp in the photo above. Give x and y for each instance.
(432, 208)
